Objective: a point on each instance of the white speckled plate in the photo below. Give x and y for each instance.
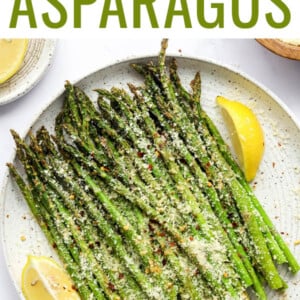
(277, 184)
(36, 62)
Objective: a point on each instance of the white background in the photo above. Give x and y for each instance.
(75, 58)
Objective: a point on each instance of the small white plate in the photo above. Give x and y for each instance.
(36, 62)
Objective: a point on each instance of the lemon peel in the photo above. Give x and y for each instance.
(246, 134)
(12, 53)
(43, 278)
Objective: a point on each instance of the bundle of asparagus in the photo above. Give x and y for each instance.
(142, 199)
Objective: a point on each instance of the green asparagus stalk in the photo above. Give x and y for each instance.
(145, 119)
(45, 222)
(196, 114)
(92, 210)
(219, 145)
(79, 210)
(189, 134)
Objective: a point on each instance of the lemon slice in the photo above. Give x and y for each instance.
(246, 134)
(43, 278)
(12, 53)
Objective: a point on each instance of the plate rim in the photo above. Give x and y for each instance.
(127, 60)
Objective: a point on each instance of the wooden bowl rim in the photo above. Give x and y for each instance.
(281, 48)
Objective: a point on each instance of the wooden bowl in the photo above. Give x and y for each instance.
(281, 48)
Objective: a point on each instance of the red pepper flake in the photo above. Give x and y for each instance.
(74, 287)
(121, 275)
(172, 244)
(162, 234)
(234, 224)
(111, 286)
(191, 238)
(140, 154)
(150, 167)
(279, 144)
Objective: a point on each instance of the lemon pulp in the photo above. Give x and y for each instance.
(246, 135)
(12, 53)
(43, 278)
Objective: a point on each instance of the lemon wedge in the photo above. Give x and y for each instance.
(246, 135)
(12, 53)
(43, 278)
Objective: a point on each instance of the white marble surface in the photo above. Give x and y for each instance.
(75, 58)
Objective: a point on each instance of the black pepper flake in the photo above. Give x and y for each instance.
(164, 261)
(182, 160)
